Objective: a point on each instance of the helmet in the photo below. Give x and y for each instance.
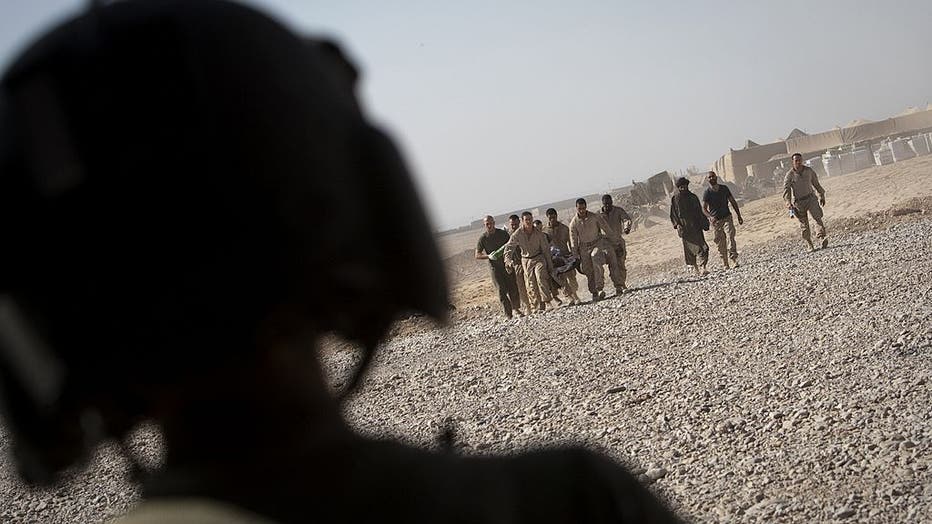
(171, 173)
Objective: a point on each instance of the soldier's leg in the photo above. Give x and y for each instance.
(721, 241)
(570, 285)
(688, 253)
(611, 259)
(598, 272)
(530, 283)
(501, 286)
(542, 276)
(702, 258)
(816, 211)
(522, 286)
(621, 253)
(513, 295)
(802, 214)
(732, 244)
(585, 264)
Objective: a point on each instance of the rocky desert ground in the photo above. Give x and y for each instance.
(795, 388)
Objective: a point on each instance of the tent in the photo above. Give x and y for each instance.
(914, 121)
(796, 133)
(731, 167)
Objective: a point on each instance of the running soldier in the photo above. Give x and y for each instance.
(534, 251)
(689, 222)
(560, 240)
(799, 188)
(489, 248)
(588, 232)
(620, 222)
(715, 201)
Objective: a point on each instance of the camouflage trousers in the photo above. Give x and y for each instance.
(725, 238)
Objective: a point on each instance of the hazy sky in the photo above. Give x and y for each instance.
(500, 105)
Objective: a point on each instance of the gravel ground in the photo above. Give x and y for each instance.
(795, 388)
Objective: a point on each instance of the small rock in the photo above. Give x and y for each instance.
(656, 473)
(844, 513)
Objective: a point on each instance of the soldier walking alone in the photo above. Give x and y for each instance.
(799, 189)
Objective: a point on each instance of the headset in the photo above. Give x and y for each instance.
(170, 172)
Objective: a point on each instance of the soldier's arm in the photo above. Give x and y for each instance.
(574, 238)
(818, 186)
(706, 210)
(480, 251)
(788, 189)
(734, 204)
(625, 220)
(545, 251)
(510, 247)
(673, 215)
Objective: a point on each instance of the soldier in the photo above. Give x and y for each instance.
(534, 251)
(620, 222)
(798, 192)
(588, 232)
(165, 261)
(538, 225)
(491, 242)
(560, 239)
(514, 265)
(689, 221)
(715, 202)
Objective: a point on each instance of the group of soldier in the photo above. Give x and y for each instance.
(532, 260)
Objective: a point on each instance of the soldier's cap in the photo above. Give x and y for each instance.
(173, 173)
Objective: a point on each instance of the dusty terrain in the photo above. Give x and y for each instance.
(796, 388)
(650, 249)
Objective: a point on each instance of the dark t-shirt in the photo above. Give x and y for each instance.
(488, 243)
(718, 201)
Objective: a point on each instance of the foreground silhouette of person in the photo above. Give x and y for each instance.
(163, 170)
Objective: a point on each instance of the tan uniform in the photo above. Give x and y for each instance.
(588, 242)
(520, 282)
(619, 220)
(535, 258)
(798, 190)
(560, 239)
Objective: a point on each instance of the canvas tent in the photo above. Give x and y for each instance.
(732, 166)
(907, 123)
(796, 133)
